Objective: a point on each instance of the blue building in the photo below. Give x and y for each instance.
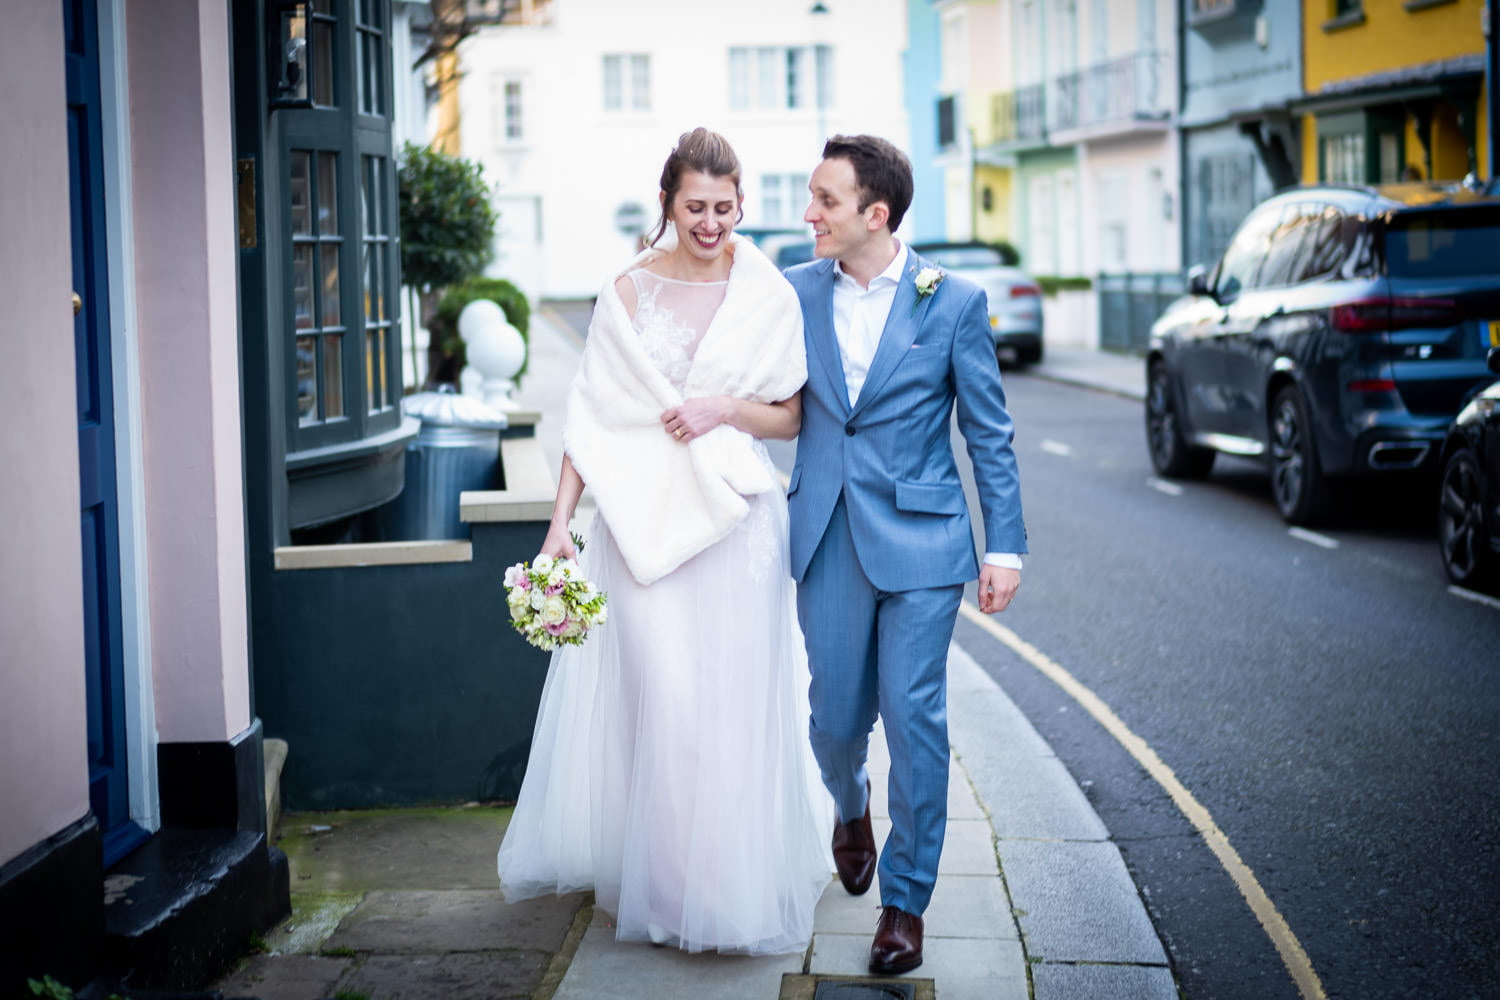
(1241, 69)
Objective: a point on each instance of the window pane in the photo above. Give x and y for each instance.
(302, 286)
(825, 76)
(323, 6)
(375, 383)
(333, 376)
(640, 83)
(297, 192)
(612, 83)
(307, 380)
(795, 78)
(767, 70)
(513, 128)
(323, 63)
(368, 266)
(328, 201)
(380, 261)
(739, 79)
(330, 269)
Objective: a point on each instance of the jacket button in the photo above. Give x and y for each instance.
(849, 430)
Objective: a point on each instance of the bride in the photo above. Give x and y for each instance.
(670, 768)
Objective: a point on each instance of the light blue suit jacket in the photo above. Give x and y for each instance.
(890, 453)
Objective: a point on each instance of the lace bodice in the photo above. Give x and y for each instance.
(671, 317)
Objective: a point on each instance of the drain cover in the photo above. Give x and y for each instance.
(856, 990)
(820, 986)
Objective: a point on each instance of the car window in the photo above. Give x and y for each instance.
(1240, 268)
(1442, 244)
(1330, 235)
(1281, 266)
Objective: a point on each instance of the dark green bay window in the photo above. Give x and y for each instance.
(331, 259)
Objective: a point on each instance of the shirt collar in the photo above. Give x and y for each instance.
(891, 274)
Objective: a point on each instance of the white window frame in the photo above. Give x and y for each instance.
(508, 116)
(780, 78)
(781, 199)
(626, 82)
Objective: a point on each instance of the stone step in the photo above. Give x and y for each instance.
(185, 905)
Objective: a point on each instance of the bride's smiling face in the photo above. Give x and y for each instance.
(704, 213)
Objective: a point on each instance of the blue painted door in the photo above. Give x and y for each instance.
(109, 782)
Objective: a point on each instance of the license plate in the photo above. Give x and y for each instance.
(1495, 333)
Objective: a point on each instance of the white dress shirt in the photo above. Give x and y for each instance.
(859, 317)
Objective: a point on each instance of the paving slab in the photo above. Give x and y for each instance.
(1076, 902)
(288, 977)
(512, 975)
(1102, 982)
(450, 920)
(1034, 798)
(359, 851)
(606, 969)
(961, 968)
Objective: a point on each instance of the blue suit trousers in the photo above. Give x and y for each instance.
(874, 652)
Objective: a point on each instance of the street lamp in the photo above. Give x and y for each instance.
(821, 85)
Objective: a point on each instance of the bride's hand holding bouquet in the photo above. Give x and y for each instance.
(551, 602)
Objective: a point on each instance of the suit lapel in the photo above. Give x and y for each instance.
(900, 331)
(820, 334)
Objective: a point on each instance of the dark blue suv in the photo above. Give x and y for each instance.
(1336, 339)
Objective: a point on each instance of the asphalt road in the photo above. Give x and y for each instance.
(1331, 703)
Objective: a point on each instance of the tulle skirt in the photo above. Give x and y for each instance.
(670, 768)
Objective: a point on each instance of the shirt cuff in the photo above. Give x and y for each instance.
(1005, 560)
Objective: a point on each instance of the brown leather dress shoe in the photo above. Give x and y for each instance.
(854, 851)
(898, 942)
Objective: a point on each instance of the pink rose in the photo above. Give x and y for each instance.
(556, 588)
(557, 629)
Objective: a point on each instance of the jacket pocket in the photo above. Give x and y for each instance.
(929, 498)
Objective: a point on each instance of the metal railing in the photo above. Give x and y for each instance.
(1128, 305)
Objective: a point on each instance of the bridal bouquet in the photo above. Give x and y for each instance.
(551, 603)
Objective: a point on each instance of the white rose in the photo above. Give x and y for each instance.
(542, 564)
(554, 611)
(536, 598)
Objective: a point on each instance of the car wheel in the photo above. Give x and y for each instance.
(1297, 481)
(1033, 356)
(1171, 454)
(1462, 538)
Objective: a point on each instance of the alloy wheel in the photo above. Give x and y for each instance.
(1461, 534)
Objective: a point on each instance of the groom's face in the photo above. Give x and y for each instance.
(840, 229)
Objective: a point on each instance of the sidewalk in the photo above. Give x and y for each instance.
(1033, 898)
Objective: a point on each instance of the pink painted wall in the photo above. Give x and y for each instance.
(43, 769)
(185, 266)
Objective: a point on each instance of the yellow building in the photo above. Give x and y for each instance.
(976, 66)
(1395, 90)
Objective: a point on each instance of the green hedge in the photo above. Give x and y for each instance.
(444, 326)
(1051, 284)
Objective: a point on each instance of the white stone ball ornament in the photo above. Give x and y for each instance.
(496, 350)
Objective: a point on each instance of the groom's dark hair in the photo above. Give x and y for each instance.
(881, 171)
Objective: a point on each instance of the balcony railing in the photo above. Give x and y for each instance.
(1118, 92)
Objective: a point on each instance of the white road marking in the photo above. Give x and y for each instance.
(1162, 486)
(1477, 598)
(1056, 448)
(1323, 541)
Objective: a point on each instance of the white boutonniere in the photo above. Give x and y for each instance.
(928, 280)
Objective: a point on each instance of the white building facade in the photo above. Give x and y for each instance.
(573, 119)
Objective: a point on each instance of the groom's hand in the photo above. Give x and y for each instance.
(997, 585)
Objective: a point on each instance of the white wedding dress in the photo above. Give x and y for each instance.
(670, 767)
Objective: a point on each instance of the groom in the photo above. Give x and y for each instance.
(881, 545)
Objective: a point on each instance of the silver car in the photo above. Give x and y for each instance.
(1015, 300)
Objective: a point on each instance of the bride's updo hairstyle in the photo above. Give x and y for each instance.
(704, 152)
